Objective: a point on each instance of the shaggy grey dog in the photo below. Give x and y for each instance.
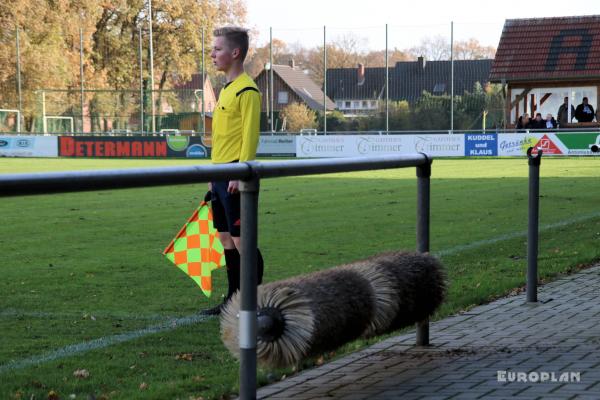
(310, 314)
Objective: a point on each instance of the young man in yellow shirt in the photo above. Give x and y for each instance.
(235, 134)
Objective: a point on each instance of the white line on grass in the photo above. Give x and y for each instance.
(106, 341)
(14, 313)
(100, 343)
(508, 236)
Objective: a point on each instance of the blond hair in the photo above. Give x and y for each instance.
(236, 37)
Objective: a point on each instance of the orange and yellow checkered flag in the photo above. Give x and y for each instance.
(196, 249)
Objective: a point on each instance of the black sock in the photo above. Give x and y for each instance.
(260, 266)
(232, 259)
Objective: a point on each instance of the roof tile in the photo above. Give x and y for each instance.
(303, 86)
(548, 48)
(408, 80)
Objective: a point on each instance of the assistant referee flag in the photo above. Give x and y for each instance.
(196, 249)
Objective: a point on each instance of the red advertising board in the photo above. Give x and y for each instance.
(131, 147)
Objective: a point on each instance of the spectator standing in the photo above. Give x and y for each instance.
(563, 112)
(585, 112)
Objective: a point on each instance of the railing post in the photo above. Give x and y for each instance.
(249, 231)
(423, 204)
(533, 222)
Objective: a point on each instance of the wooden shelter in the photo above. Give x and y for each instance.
(543, 60)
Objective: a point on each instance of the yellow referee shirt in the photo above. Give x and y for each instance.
(236, 121)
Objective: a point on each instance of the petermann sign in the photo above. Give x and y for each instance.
(132, 147)
(112, 147)
(161, 146)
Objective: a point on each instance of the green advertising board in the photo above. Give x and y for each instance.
(579, 143)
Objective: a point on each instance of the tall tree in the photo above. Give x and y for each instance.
(259, 56)
(432, 48)
(298, 116)
(376, 58)
(176, 28)
(438, 48)
(49, 50)
(50, 44)
(471, 49)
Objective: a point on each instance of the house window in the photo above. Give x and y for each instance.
(439, 88)
(339, 104)
(282, 97)
(373, 104)
(365, 104)
(348, 104)
(356, 104)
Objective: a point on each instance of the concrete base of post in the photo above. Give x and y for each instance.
(423, 333)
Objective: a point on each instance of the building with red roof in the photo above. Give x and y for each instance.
(543, 60)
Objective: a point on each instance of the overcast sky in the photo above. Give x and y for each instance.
(301, 21)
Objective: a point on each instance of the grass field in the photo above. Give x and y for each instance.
(86, 269)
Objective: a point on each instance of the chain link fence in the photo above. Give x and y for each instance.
(331, 79)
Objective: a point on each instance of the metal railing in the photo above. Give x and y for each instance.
(533, 222)
(250, 174)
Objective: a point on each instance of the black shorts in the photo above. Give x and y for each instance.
(225, 208)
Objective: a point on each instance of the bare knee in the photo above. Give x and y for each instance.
(227, 240)
(237, 243)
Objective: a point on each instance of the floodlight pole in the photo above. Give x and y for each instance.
(81, 72)
(151, 48)
(140, 49)
(268, 101)
(324, 80)
(203, 86)
(387, 83)
(452, 77)
(19, 94)
(270, 94)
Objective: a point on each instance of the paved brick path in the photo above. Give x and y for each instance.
(559, 334)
